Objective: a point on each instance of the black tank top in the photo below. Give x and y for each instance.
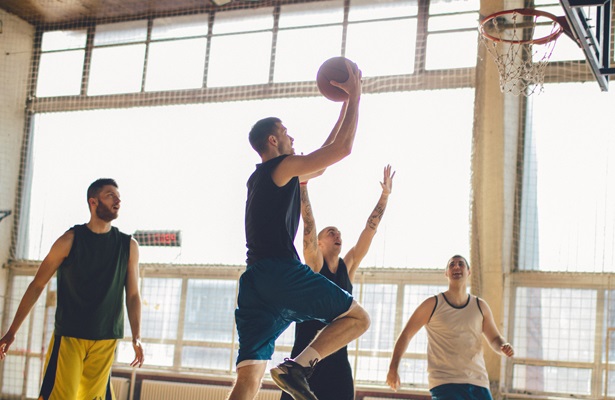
(272, 215)
(91, 281)
(306, 331)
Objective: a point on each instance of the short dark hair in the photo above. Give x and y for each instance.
(260, 132)
(98, 184)
(458, 256)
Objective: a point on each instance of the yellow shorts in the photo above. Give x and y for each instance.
(78, 369)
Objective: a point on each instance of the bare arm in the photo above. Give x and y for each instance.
(311, 252)
(328, 141)
(492, 334)
(419, 318)
(340, 147)
(59, 251)
(133, 302)
(356, 254)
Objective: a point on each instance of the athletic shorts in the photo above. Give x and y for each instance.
(78, 369)
(274, 293)
(460, 391)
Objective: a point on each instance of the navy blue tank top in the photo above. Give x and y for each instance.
(306, 331)
(272, 215)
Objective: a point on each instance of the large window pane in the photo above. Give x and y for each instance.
(242, 59)
(300, 52)
(395, 128)
(177, 64)
(116, 69)
(210, 306)
(451, 50)
(555, 324)
(568, 222)
(60, 73)
(373, 47)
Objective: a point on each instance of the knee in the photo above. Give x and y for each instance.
(363, 319)
(248, 382)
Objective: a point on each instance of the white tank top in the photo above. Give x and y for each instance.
(455, 348)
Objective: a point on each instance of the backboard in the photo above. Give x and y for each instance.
(590, 21)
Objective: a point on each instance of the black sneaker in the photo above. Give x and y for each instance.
(292, 378)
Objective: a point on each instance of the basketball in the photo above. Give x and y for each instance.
(334, 69)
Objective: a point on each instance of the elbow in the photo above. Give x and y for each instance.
(346, 150)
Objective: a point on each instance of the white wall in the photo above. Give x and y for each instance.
(16, 39)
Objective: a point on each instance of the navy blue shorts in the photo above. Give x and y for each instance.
(460, 391)
(273, 294)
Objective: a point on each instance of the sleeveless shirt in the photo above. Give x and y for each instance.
(91, 281)
(272, 215)
(306, 331)
(454, 345)
(332, 376)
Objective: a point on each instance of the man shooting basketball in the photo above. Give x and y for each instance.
(277, 289)
(95, 264)
(332, 377)
(455, 322)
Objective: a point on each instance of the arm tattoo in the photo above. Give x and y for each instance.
(374, 219)
(309, 236)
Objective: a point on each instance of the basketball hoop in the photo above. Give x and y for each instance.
(521, 42)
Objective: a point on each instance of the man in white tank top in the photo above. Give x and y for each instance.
(455, 322)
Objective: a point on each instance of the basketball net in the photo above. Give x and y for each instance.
(520, 42)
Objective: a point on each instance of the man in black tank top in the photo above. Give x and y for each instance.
(332, 377)
(277, 289)
(95, 264)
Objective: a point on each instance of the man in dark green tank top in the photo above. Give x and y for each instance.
(95, 263)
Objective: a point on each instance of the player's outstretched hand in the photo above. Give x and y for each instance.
(5, 343)
(387, 181)
(507, 350)
(393, 379)
(139, 355)
(353, 84)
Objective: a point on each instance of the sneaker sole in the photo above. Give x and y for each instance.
(282, 384)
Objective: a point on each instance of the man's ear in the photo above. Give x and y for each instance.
(273, 140)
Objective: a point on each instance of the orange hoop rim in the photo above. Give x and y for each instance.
(526, 12)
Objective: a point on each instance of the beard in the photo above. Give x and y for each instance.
(105, 213)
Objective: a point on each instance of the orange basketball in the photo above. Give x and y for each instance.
(334, 69)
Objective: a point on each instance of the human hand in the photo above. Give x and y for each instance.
(393, 379)
(5, 343)
(139, 355)
(387, 181)
(507, 350)
(353, 84)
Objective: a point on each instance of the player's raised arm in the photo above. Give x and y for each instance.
(356, 254)
(311, 252)
(339, 148)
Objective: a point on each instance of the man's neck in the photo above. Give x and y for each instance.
(457, 294)
(333, 261)
(98, 226)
